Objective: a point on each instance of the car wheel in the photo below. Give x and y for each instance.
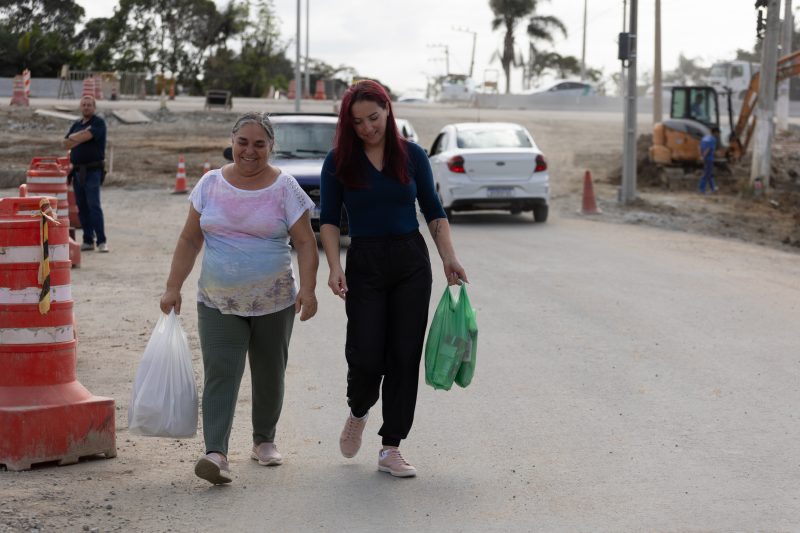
(540, 213)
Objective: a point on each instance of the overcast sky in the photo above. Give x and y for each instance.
(391, 39)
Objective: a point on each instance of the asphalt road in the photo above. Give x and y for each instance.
(628, 379)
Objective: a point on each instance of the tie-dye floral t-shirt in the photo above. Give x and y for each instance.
(247, 262)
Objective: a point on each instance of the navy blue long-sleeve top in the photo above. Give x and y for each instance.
(92, 150)
(385, 206)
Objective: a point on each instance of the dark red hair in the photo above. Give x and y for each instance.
(350, 168)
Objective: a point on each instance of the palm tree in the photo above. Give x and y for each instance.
(541, 28)
(508, 14)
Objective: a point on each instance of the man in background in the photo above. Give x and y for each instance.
(86, 141)
(708, 145)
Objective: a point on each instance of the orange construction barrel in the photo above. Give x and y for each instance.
(45, 413)
(49, 179)
(72, 207)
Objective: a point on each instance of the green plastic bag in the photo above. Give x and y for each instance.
(452, 342)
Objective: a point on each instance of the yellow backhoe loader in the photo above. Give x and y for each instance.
(694, 111)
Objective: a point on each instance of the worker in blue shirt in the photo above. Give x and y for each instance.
(86, 141)
(708, 145)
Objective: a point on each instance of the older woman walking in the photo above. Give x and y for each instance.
(245, 213)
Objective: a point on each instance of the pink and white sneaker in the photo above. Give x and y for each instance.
(390, 460)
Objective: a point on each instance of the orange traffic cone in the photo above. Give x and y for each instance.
(180, 177)
(74, 253)
(88, 87)
(589, 203)
(319, 94)
(18, 96)
(206, 167)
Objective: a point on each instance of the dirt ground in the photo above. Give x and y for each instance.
(145, 158)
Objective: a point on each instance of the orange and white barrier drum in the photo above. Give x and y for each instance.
(45, 413)
(49, 179)
(72, 207)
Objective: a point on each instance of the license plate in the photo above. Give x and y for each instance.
(499, 192)
(315, 211)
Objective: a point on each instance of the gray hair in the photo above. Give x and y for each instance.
(262, 119)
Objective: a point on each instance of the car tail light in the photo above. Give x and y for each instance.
(456, 164)
(541, 164)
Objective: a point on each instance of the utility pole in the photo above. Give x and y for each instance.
(657, 94)
(765, 111)
(786, 49)
(307, 90)
(628, 189)
(583, 52)
(474, 39)
(298, 88)
(446, 55)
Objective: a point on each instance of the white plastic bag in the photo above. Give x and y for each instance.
(164, 399)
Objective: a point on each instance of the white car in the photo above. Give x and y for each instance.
(569, 88)
(490, 165)
(406, 130)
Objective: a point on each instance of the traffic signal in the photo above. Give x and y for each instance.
(761, 25)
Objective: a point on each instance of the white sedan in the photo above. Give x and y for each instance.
(490, 166)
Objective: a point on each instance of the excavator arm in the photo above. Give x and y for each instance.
(788, 66)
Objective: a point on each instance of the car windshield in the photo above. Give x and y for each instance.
(494, 138)
(300, 140)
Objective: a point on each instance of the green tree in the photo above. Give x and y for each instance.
(261, 63)
(507, 15)
(174, 36)
(37, 34)
(688, 72)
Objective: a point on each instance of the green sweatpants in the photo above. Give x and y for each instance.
(226, 340)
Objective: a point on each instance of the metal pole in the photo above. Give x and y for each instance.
(765, 112)
(786, 49)
(472, 61)
(628, 190)
(657, 94)
(298, 89)
(447, 58)
(308, 76)
(583, 53)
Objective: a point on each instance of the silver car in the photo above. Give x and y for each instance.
(490, 166)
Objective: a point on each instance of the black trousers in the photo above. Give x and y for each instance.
(389, 289)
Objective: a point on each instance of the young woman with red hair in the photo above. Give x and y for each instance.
(379, 177)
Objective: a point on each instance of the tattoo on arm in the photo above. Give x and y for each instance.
(436, 227)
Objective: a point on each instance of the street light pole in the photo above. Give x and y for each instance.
(298, 88)
(583, 52)
(307, 89)
(657, 93)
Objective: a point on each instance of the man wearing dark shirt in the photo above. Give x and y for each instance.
(86, 141)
